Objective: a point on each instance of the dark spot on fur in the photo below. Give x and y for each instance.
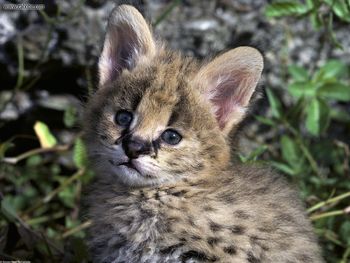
(156, 196)
(146, 213)
(230, 250)
(142, 194)
(241, 214)
(251, 258)
(179, 193)
(168, 227)
(256, 238)
(194, 237)
(199, 167)
(208, 208)
(179, 171)
(183, 239)
(238, 230)
(284, 245)
(170, 249)
(304, 258)
(284, 217)
(198, 183)
(174, 219)
(262, 190)
(192, 254)
(266, 228)
(212, 241)
(226, 197)
(259, 241)
(215, 226)
(103, 137)
(190, 220)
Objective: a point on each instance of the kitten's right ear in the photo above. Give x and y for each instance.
(128, 40)
(228, 83)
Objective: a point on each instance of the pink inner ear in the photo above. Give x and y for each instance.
(121, 50)
(231, 95)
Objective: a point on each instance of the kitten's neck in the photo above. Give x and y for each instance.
(207, 177)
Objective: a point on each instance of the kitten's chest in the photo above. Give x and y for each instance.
(151, 226)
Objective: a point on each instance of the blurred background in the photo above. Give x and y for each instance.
(48, 56)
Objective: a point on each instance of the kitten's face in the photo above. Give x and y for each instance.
(158, 117)
(152, 126)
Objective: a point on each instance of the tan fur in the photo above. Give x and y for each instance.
(189, 202)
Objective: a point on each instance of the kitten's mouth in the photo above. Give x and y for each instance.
(130, 165)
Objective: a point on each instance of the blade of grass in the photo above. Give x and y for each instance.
(166, 12)
(20, 75)
(15, 160)
(327, 214)
(53, 193)
(44, 219)
(76, 229)
(329, 201)
(302, 146)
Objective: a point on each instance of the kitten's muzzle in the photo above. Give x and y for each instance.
(134, 147)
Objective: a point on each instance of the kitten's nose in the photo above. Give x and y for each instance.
(134, 147)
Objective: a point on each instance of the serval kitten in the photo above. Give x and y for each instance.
(166, 190)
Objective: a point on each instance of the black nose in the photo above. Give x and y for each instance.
(134, 147)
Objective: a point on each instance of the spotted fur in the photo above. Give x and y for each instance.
(187, 202)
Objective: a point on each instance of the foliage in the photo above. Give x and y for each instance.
(320, 12)
(314, 160)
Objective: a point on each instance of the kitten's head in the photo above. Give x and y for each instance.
(158, 117)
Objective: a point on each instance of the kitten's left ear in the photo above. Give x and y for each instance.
(128, 40)
(228, 82)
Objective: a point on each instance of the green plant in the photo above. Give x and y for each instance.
(320, 12)
(313, 158)
(40, 210)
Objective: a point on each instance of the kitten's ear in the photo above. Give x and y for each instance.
(228, 82)
(128, 39)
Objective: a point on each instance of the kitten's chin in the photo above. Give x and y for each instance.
(132, 177)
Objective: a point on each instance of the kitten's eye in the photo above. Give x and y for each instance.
(123, 118)
(171, 137)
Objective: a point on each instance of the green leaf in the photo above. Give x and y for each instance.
(298, 73)
(67, 196)
(44, 135)
(340, 115)
(316, 20)
(8, 211)
(254, 154)
(4, 147)
(299, 89)
(80, 154)
(345, 232)
(286, 8)
(290, 151)
(331, 70)
(285, 168)
(310, 3)
(275, 104)
(265, 120)
(70, 116)
(34, 160)
(335, 91)
(317, 117)
(341, 9)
